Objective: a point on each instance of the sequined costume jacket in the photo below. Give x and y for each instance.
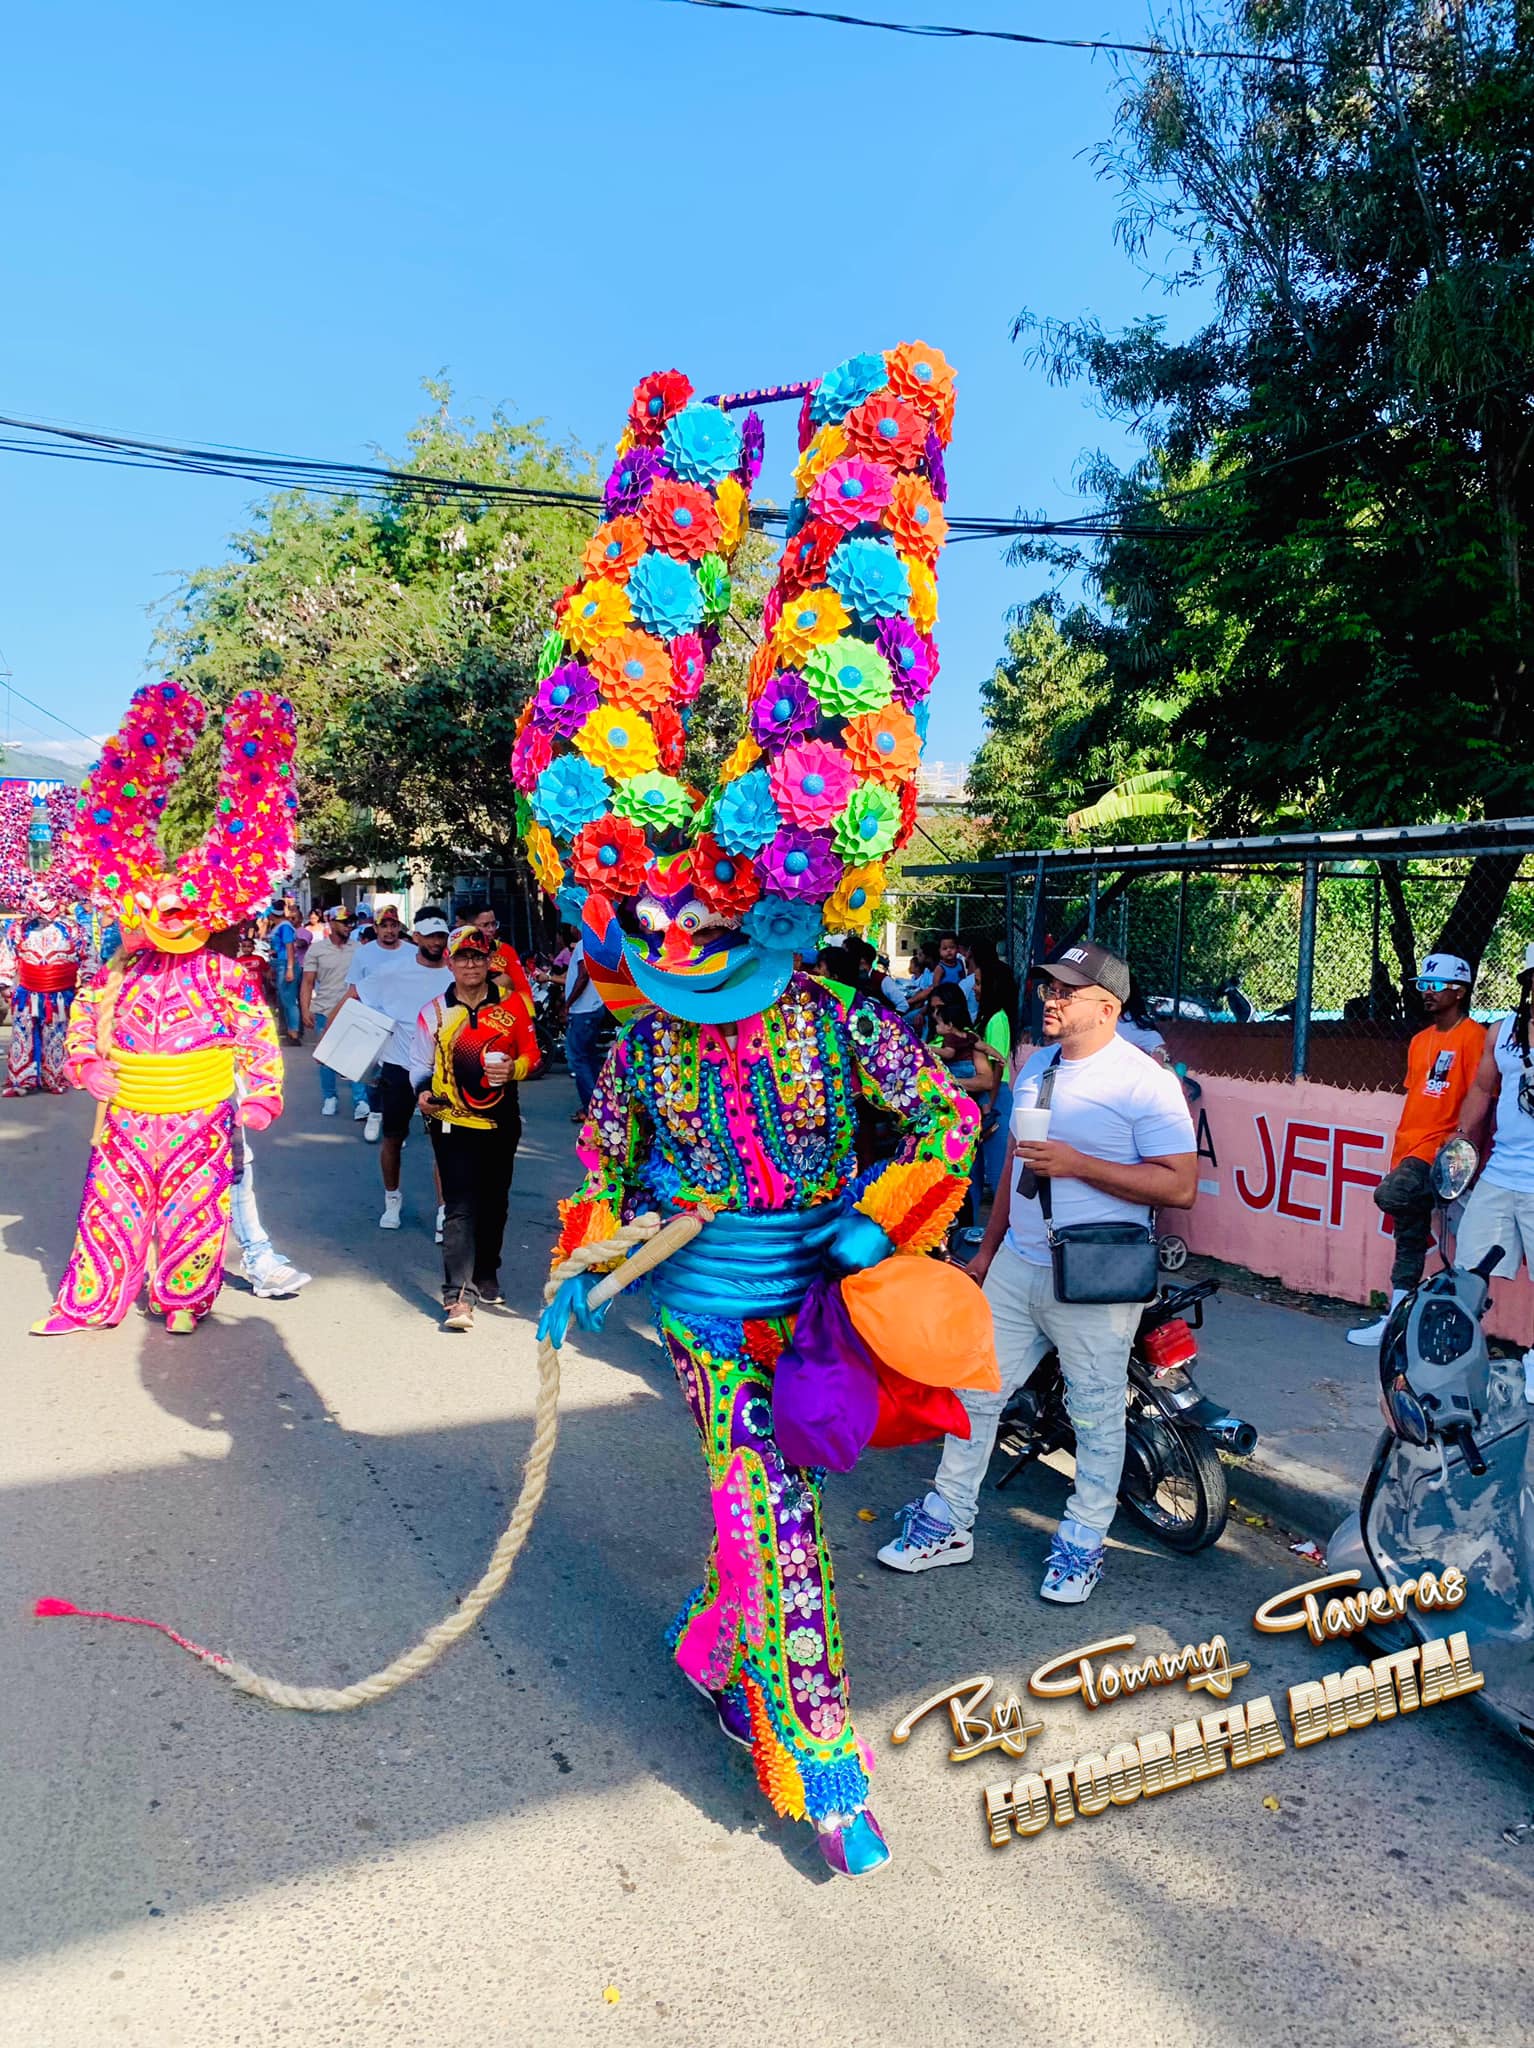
(176, 1003)
(679, 1120)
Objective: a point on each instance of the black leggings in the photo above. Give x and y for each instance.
(475, 1171)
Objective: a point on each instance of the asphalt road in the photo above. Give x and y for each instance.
(545, 1840)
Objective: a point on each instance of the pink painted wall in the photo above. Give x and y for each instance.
(1285, 1174)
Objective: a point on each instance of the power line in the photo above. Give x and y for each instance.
(14, 692)
(948, 31)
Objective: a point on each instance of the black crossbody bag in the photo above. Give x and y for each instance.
(1096, 1262)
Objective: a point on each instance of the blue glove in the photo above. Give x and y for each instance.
(856, 1241)
(571, 1300)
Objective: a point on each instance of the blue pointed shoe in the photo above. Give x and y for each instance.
(856, 1848)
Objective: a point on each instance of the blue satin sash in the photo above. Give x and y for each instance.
(748, 1264)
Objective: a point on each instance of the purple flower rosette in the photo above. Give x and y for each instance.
(783, 711)
(937, 468)
(909, 656)
(800, 864)
(566, 698)
(753, 445)
(629, 483)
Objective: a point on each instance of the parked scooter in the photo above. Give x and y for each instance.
(1453, 1476)
(1173, 1484)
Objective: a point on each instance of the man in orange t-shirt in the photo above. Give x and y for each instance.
(1440, 1066)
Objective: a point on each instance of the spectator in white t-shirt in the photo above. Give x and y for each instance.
(1120, 1146)
(585, 1013)
(330, 969)
(1500, 1207)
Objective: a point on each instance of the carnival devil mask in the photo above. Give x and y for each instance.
(705, 901)
(174, 906)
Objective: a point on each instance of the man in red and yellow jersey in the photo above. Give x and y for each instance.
(472, 1047)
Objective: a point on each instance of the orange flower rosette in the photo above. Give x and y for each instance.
(883, 746)
(634, 669)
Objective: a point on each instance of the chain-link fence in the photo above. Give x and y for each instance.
(1285, 956)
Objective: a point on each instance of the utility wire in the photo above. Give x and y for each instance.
(949, 31)
(12, 689)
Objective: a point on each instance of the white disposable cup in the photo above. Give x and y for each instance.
(495, 1062)
(1030, 1126)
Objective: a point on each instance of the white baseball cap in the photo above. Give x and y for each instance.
(1446, 967)
(426, 926)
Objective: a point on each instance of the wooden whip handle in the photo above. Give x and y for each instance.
(679, 1231)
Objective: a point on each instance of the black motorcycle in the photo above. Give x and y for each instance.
(1173, 1484)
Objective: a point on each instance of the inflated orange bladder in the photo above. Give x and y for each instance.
(927, 1319)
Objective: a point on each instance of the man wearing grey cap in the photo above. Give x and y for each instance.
(1114, 1142)
(401, 984)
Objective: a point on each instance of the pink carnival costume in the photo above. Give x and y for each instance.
(44, 950)
(161, 1036)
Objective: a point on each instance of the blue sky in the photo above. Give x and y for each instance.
(263, 226)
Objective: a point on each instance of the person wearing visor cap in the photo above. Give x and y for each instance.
(471, 1048)
(1118, 1144)
(1440, 1065)
(400, 982)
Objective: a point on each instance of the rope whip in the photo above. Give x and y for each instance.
(648, 1243)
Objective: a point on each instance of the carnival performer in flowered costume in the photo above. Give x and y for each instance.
(44, 949)
(735, 1095)
(161, 1036)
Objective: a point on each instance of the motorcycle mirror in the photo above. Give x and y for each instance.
(1454, 1169)
(1408, 1417)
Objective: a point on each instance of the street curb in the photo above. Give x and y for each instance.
(1308, 1499)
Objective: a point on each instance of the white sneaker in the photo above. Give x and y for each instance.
(925, 1542)
(1075, 1565)
(1369, 1334)
(441, 1221)
(328, 1106)
(372, 1130)
(360, 1113)
(274, 1278)
(390, 1219)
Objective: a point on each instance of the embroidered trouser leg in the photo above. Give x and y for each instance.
(156, 1203)
(765, 1617)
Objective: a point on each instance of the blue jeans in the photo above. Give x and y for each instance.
(582, 1033)
(287, 997)
(328, 1074)
(244, 1217)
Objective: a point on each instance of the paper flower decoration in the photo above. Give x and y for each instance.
(680, 520)
(614, 549)
(610, 855)
(664, 596)
(629, 482)
(846, 386)
(868, 577)
(670, 737)
(742, 757)
(727, 882)
(595, 612)
(687, 666)
(808, 621)
(530, 755)
(808, 555)
(780, 926)
(566, 698)
(922, 718)
(745, 816)
(811, 783)
(856, 897)
(618, 740)
(915, 518)
(828, 447)
(753, 442)
(633, 670)
(772, 610)
(551, 654)
(798, 863)
(937, 470)
(886, 429)
(909, 657)
(807, 418)
(922, 376)
(784, 710)
(570, 793)
(654, 801)
(923, 595)
(730, 510)
(543, 855)
(909, 801)
(847, 677)
(882, 746)
(701, 444)
(657, 398)
(714, 582)
(866, 828)
(851, 492)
